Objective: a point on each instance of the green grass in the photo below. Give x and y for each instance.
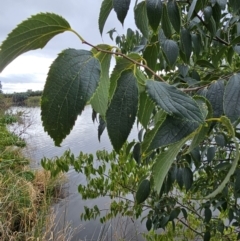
(25, 195)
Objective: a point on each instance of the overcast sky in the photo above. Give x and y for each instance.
(29, 70)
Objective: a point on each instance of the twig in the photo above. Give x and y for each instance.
(126, 57)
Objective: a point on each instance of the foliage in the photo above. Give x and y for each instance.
(179, 81)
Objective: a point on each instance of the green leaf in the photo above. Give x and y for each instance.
(165, 23)
(187, 177)
(121, 8)
(207, 215)
(172, 130)
(164, 162)
(101, 127)
(171, 51)
(207, 13)
(191, 9)
(99, 101)
(145, 109)
(72, 80)
(235, 5)
(227, 123)
(229, 174)
(222, 4)
(174, 101)
(186, 41)
(150, 134)
(122, 64)
(31, 34)
(205, 63)
(217, 15)
(197, 44)
(211, 26)
(106, 8)
(150, 54)
(174, 15)
(211, 153)
(215, 96)
(143, 191)
(230, 55)
(203, 129)
(141, 19)
(207, 236)
(235, 40)
(232, 98)
(154, 12)
(122, 110)
(137, 153)
(149, 224)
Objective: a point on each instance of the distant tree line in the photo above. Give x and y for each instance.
(18, 98)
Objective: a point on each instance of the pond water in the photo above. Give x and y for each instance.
(83, 138)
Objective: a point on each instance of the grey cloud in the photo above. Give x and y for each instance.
(82, 16)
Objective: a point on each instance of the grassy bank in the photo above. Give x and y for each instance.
(25, 195)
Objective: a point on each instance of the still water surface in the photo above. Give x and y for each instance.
(83, 138)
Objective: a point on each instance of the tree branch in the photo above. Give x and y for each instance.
(126, 57)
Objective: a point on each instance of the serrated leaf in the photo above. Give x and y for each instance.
(143, 191)
(215, 96)
(154, 12)
(231, 98)
(165, 23)
(191, 9)
(121, 8)
(106, 8)
(163, 163)
(145, 109)
(174, 15)
(186, 41)
(31, 34)
(122, 110)
(122, 64)
(207, 13)
(174, 101)
(150, 54)
(99, 101)
(141, 19)
(72, 80)
(171, 51)
(101, 127)
(172, 130)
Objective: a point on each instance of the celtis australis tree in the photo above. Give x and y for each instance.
(178, 78)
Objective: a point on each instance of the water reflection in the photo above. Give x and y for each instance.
(83, 138)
